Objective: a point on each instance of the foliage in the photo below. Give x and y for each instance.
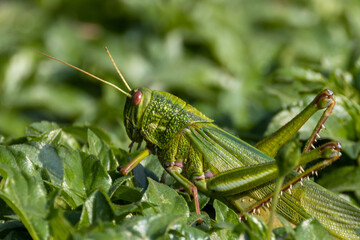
(250, 65)
(53, 188)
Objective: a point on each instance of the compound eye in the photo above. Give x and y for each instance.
(136, 98)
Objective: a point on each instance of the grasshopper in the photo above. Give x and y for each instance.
(203, 157)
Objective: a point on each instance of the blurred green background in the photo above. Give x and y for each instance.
(246, 64)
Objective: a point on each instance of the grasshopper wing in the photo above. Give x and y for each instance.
(222, 152)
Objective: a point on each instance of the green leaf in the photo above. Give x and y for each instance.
(26, 196)
(101, 150)
(224, 213)
(258, 228)
(95, 176)
(161, 226)
(50, 162)
(166, 199)
(347, 179)
(31, 151)
(17, 160)
(82, 132)
(286, 231)
(238, 62)
(60, 227)
(38, 128)
(117, 183)
(203, 201)
(51, 133)
(72, 185)
(97, 209)
(81, 174)
(127, 193)
(122, 211)
(226, 220)
(311, 229)
(52, 137)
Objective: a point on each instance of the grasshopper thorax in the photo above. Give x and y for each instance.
(135, 107)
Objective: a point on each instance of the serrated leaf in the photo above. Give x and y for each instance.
(160, 226)
(31, 151)
(101, 150)
(95, 176)
(123, 210)
(57, 138)
(52, 137)
(166, 199)
(118, 182)
(311, 229)
(38, 128)
(127, 193)
(193, 233)
(26, 196)
(203, 201)
(287, 231)
(76, 174)
(82, 175)
(224, 213)
(97, 209)
(220, 56)
(51, 162)
(258, 228)
(226, 220)
(17, 160)
(73, 186)
(82, 132)
(60, 227)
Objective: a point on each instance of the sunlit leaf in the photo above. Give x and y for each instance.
(166, 199)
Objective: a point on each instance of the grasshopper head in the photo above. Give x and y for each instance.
(134, 110)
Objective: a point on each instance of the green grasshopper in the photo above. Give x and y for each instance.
(203, 157)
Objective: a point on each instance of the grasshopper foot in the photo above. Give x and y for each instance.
(331, 150)
(199, 221)
(122, 170)
(324, 99)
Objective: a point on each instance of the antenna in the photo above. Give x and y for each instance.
(121, 76)
(89, 74)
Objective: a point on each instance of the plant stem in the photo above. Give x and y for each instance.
(273, 205)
